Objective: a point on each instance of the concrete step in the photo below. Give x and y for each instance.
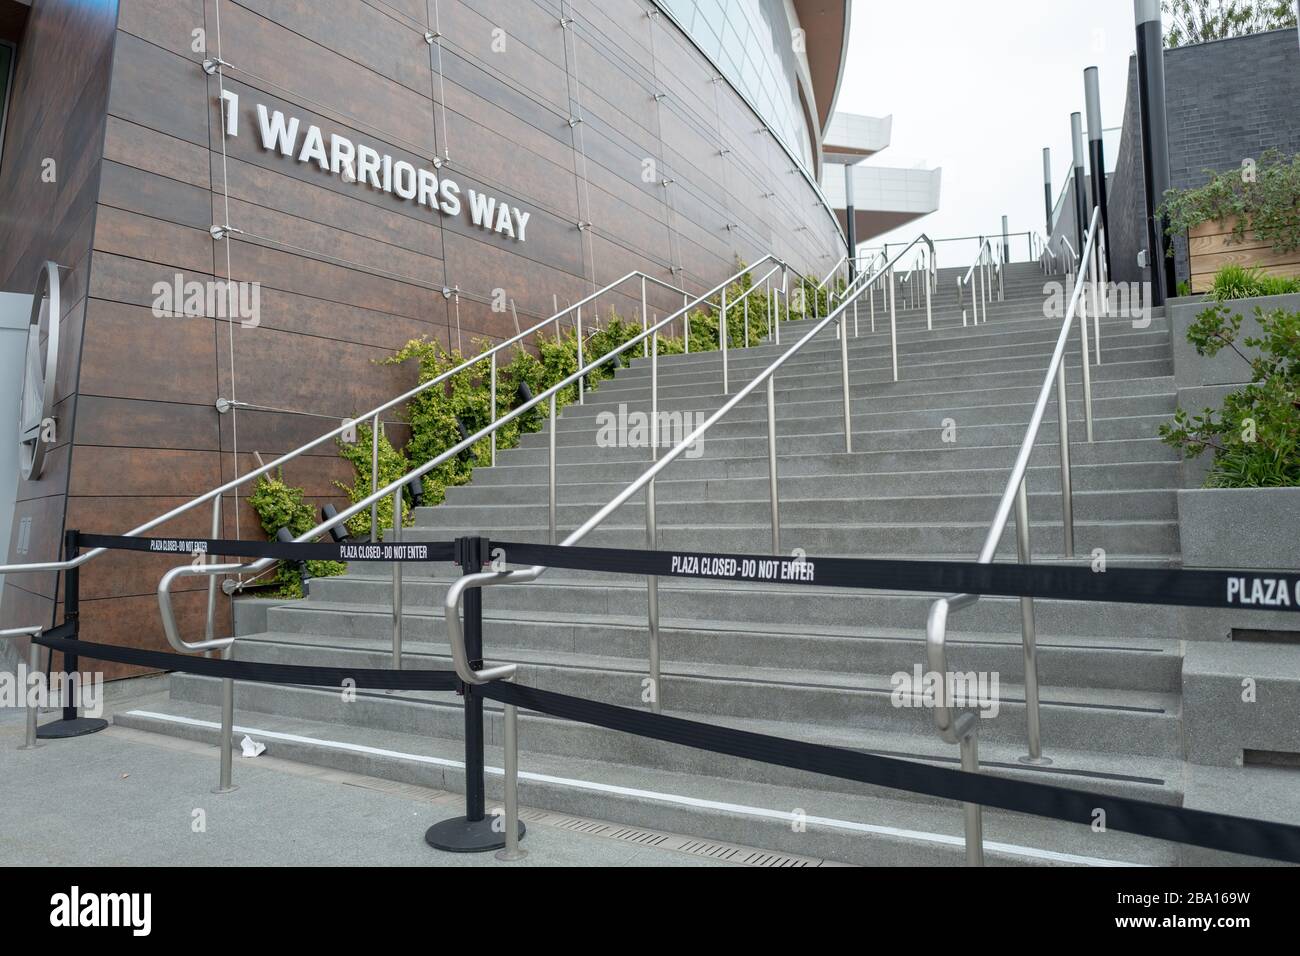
(1136, 663)
(1135, 722)
(844, 827)
(789, 608)
(1145, 775)
(749, 440)
(623, 424)
(1088, 506)
(1042, 479)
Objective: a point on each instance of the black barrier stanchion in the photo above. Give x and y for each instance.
(71, 724)
(474, 832)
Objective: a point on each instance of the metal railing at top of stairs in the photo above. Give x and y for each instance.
(927, 272)
(395, 488)
(373, 416)
(960, 728)
(979, 277)
(839, 316)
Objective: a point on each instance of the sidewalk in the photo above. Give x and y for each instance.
(128, 798)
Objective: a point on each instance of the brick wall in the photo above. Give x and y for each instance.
(1226, 101)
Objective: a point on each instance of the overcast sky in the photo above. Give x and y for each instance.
(979, 88)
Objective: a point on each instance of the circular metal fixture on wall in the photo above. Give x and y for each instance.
(36, 401)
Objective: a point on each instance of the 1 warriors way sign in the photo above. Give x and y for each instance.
(356, 162)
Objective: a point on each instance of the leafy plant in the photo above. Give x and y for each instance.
(392, 466)
(279, 505)
(1265, 201)
(1236, 282)
(1197, 21)
(1255, 437)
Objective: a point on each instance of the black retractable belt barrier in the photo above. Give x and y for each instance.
(474, 832)
(1238, 590)
(424, 551)
(1216, 831)
(362, 678)
(71, 724)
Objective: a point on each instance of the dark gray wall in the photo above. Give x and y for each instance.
(1127, 199)
(1227, 100)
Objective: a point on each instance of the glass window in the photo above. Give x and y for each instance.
(751, 44)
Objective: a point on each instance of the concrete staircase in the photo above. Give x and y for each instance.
(796, 662)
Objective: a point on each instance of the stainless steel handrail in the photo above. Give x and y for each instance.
(457, 588)
(960, 728)
(43, 566)
(395, 488)
(976, 277)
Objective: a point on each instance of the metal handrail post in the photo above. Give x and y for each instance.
(686, 322)
(645, 316)
(1063, 436)
(510, 758)
(1086, 361)
(551, 491)
(722, 337)
(1028, 634)
(374, 477)
(844, 376)
(210, 623)
(225, 784)
(746, 321)
(582, 379)
(929, 309)
(772, 477)
(893, 324)
(33, 667)
(492, 398)
(652, 533)
(1097, 305)
(397, 582)
(973, 812)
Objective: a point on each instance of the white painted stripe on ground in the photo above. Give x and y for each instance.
(674, 798)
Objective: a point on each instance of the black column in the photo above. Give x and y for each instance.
(1080, 185)
(70, 724)
(1047, 191)
(1097, 151)
(852, 226)
(1155, 143)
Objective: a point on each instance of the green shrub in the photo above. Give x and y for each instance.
(279, 505)
(392, 466)
(1236, 282)
(467, 394)
(1269, 206)
(1255, 436)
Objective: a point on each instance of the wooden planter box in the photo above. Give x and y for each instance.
(1211, 247)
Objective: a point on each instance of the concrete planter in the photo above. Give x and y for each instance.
(1248, 528)
(1204, 381)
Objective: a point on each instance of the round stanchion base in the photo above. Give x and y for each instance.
(1036, 761)
(65, 729)
(460, 835)
(230, 789)
(505, 856)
